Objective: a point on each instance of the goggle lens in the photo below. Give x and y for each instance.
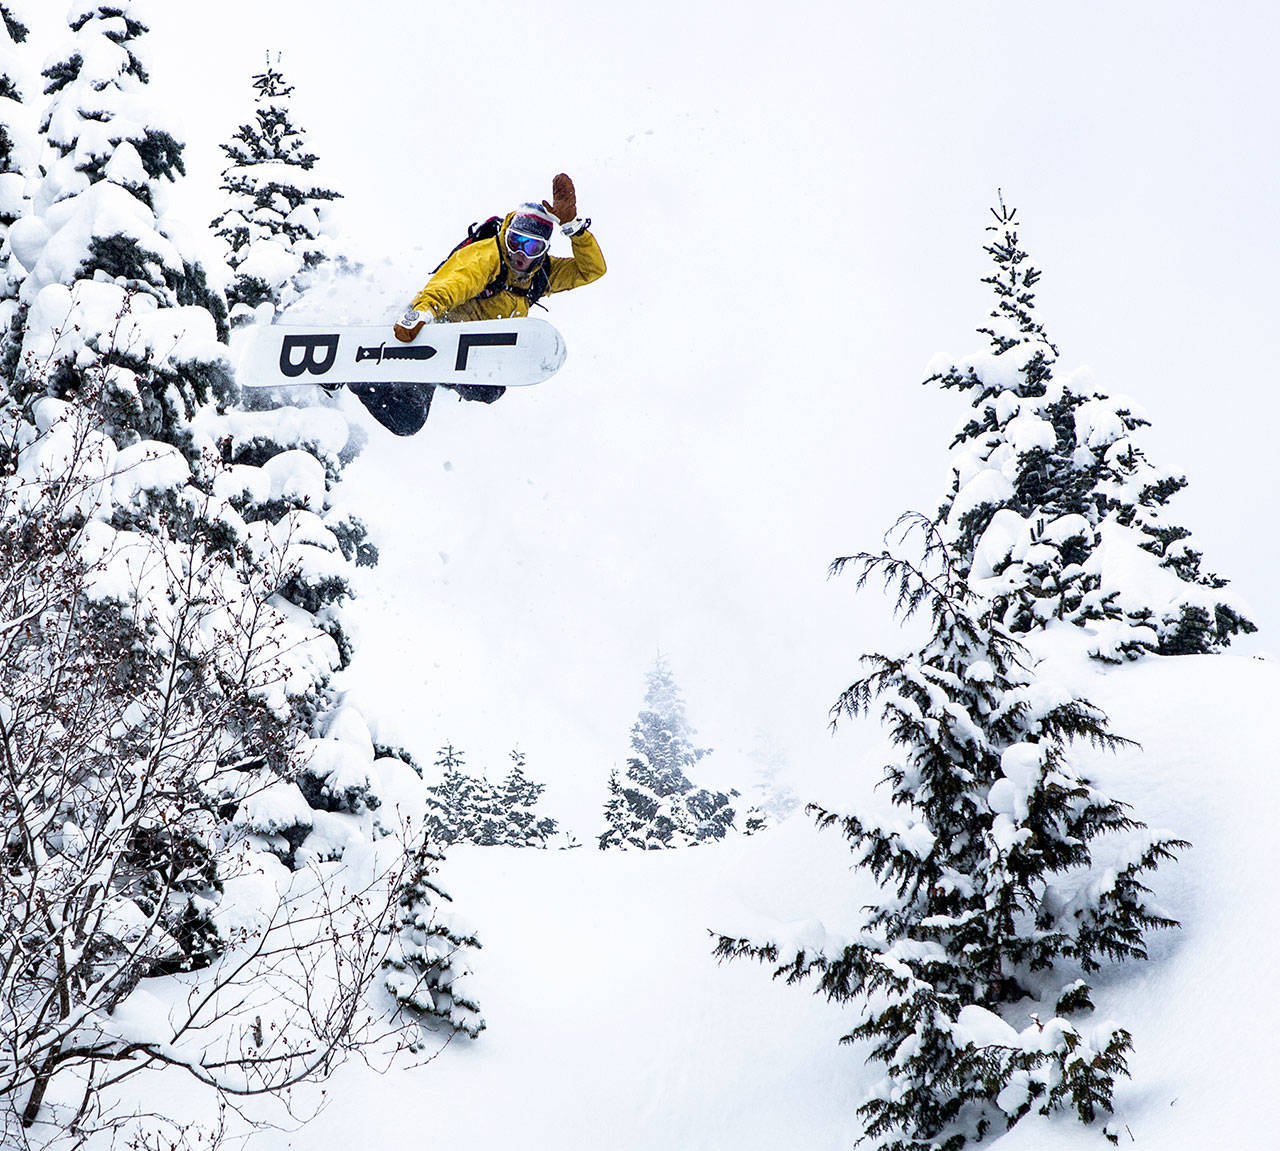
(531, 246)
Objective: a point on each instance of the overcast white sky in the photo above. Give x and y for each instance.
(792, 203)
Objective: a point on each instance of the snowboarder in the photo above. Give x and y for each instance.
(501, 276)
(496, 276)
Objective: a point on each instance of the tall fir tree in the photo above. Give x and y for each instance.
(970, 967)
(1049, 487)
(273, 224)
(657, 805)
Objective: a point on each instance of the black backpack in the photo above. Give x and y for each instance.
(488, 230)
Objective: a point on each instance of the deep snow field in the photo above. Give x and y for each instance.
(611, 1025)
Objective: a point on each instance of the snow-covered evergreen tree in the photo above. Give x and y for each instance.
(169, 623)
(656, 805)
(1047, 486)
(426, 968)
(114, 301)
(449, 814)
(768, 797)
(463, 808)
(273, 225)
(971, 966)
(517, 799)
(624, 822)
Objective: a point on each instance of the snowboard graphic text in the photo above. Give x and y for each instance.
(316, 354)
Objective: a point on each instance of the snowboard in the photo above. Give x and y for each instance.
(395, 380)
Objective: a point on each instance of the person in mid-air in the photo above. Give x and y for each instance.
(502, 275)
(501, 269)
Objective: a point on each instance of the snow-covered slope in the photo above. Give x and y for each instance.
(611, 1025)
(609, 1020)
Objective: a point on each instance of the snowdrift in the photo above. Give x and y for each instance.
(611, 1025)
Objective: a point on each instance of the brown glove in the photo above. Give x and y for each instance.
(564, 200)
(410, 324)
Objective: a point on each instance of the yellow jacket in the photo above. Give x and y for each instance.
(453, 292)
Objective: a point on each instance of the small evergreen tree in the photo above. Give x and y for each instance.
(272, 226)
(658, 806)
(463, 808)
(991, 907)
(518, 797)
(449, 816)
(625, 812)
(426, 966)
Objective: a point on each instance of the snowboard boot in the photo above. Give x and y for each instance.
(400, 408)
(482, 393)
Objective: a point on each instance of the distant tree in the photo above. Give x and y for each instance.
(626, 812)
(768, 797)
(517, 798)
(754, 821)
(1049, 487)
(992, 902)
(656, 805)
(469, 809)
(272, 225)
(449, 814)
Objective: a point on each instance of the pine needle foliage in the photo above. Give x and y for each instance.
(992, 906)
(1054, 508)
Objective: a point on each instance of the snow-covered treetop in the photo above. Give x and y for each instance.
(274, 223)
(1013, 324)
(99, 114)
(1055, 512)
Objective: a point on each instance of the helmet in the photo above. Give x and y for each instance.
(528, 236)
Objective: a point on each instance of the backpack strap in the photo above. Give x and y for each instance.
(533, 293)
(482, 230)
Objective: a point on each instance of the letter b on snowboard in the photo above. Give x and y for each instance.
(312, 354)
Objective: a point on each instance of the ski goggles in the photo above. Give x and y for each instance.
(531, 246)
